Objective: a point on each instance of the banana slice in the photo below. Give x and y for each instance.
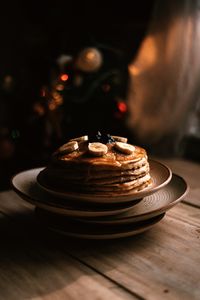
(124, 148)
(68, 147)
(119, 138)
(83, 138)
(97, 149)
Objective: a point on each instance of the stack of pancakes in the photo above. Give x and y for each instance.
(79, 167)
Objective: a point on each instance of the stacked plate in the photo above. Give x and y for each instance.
(92, 217)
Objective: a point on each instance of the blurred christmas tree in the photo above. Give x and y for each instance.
(46, 97)
(87, 93)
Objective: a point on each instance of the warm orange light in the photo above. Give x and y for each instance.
(90, 55)
(60, 87)
(64, 77)
(43, 92)
(122, 106)
(38, 109)
(147, 56)
(52, 106)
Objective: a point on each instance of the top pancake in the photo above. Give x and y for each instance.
(112, 160)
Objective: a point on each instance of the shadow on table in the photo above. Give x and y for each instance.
(36, 262)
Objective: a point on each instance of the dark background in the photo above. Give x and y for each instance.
(33, 36)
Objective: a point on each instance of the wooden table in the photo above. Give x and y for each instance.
(162, 263)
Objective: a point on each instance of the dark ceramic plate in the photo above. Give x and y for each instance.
(160, 175)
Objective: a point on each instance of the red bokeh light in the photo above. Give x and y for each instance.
(43, 92)
(122, 106)
(64, 77)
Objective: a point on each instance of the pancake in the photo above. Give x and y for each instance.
(112, 160)
(84, 166)
(88, 175)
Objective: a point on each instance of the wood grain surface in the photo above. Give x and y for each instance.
(162, 263)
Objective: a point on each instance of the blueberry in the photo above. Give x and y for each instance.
(99, 136)
(102, 138)
(110, 139)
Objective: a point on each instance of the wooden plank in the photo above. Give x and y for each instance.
(160, 264)
(190, 171)
(9, 200)
(34, 269)
(186, 213)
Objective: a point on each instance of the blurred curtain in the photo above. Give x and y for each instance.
(164, 87)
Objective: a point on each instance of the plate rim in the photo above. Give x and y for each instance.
(120, 198)
(146, 215)
(114, 235)
(67, 211)
(85, 213)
